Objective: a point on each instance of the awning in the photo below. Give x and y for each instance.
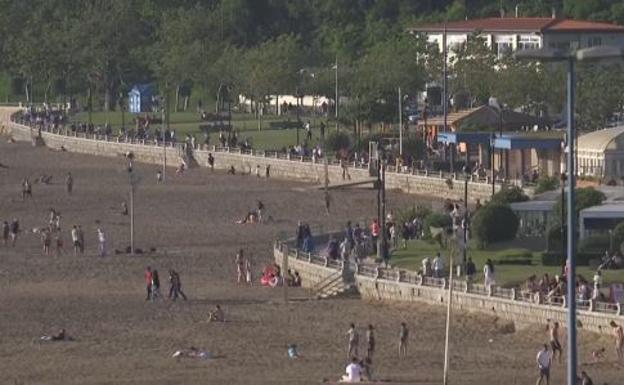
(464, 137)
(524, 143)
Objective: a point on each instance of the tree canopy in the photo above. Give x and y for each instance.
(53, 49)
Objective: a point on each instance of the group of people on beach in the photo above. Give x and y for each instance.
(152, 282)
(553, 351)
(360, 369)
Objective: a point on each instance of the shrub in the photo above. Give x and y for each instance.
(546, 183)
(594, 244)
(494, 223)
(510, 194)
(409, 213)
(585, 197)
(618, 235)
(338, 140)
(552, 259)
(435, 220)
(554, 241)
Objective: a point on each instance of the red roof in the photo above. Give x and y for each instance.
(520, 24)
(584, 26)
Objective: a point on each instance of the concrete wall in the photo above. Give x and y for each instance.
(294, 169)
(401, 288)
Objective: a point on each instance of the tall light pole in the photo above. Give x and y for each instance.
(570, 58)
(134, 180)
(337, 97)
(400, 124)
(164, 140)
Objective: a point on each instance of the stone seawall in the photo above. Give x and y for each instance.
(280, 167)
(399, 286)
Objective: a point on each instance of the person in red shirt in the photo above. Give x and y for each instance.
(148, 282)
(375, 234)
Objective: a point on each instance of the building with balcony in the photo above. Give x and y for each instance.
(507, 34)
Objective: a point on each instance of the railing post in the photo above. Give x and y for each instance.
(443, 283)
(325, 261)
(419, 280)
(342, 265)
(377, 272)
(399, 274)
(467, 287)
(619, 308)
(489, 290)
(357, 268)
(513, 294)
(310, 257)
(565, 301)
(591, 305)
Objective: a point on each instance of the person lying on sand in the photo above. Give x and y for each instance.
(598, 354)
(60, 336)
(192, 352)
(217, 315)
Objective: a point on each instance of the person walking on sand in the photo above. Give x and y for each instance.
(148, 282)
(175, 288)
(370, 342)
(403, 337)
(248, 268)
(5, 233)
(46, 239)
(13, 231)
(159, 177)
(155, 285)
(102, 242)
(75, 239)
(555, 345)
(618, 336)
(240, 256)
(543, 360)
(354, 341)
(69, 183)
(81, 240)
(26, 189)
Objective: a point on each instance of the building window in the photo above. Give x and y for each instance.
(528, 42)
(502, 49)
(594, 41)
(564, 46)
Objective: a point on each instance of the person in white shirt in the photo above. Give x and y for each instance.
(75, 239)
(438, 266)
(354, 341)
(488, 273)
(353, 372)
(543, 360)
(102, 242)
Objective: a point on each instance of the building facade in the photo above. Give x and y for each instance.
(506, 34)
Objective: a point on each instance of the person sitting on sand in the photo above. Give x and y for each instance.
(217, 315)
(353, 372)
(598, 354)
(251, 217)
(293, 354)
(191, 352)
(297, 280)
(60, 336)
(180, 170)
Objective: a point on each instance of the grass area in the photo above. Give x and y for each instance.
(246, 124)
(506, 275)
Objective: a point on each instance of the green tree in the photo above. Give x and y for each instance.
(494, 222)
(585, 197)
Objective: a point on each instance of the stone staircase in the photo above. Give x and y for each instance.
(339, 284)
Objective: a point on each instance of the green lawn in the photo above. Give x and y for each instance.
(246, 124)
(506, 275)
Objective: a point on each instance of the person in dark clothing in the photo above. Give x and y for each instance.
(471, 269)
(211, 161)
(176, 286)
(155, 285)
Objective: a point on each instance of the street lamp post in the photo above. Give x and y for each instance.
(552, 55)
(164, 140)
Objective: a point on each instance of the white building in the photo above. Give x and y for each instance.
(601, 153)
(509, 34)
